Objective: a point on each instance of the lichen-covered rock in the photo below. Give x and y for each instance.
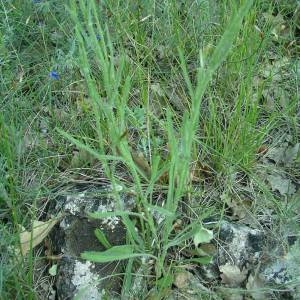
(75, 234)
(284, 271)
(84, 280)
(250, 259)
(239, 245)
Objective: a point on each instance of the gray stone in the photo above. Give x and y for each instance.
(75, 234)
(239, 245)
(252, 259)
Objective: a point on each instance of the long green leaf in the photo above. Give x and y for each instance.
(87, 148)
(115, 253)
(221, 51)
(127, 280)
(185, 236)
(102, 238)
(200, 260)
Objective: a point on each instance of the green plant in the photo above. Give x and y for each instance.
(111, 110)
(178, 110)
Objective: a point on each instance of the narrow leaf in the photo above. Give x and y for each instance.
(127, 280)
(161, 210)
(183, 237)
(112, 254)
(228, 37)
(102, 238)
(87, 148)
(200, 260)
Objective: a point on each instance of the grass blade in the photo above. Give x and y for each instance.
(115, 253)
(102, 238)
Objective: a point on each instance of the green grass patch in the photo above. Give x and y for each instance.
(177, 98)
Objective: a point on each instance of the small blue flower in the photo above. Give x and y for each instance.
(54, 75)
(98, 37)
(36, 1)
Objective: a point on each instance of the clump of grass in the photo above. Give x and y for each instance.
(163, 91)
(235, 143)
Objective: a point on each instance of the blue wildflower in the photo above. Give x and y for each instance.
(98, 37)
(36, 1)
(54, 75)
